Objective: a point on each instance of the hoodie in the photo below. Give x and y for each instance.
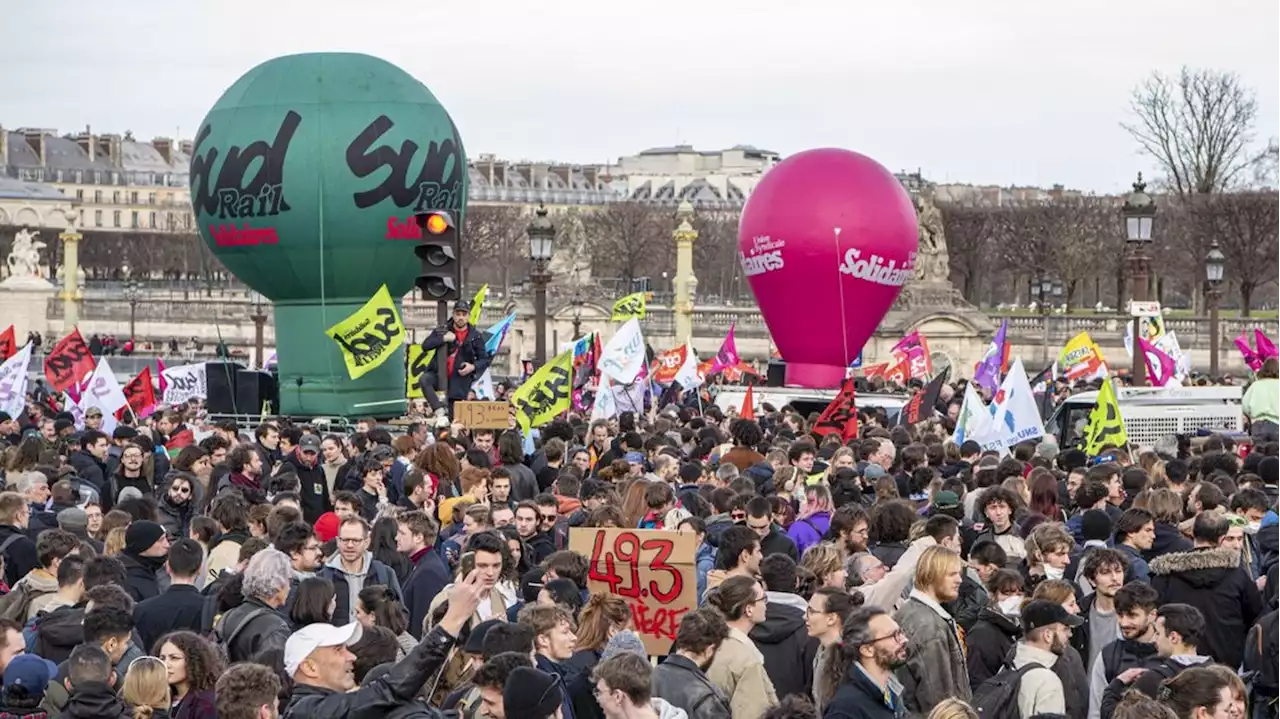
(785, 643)
(808, 531)
(1212, 581)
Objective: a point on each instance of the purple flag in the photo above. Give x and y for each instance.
(1160, 366)
(728, 355)
(989, 371)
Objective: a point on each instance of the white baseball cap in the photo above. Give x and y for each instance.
(313, 636)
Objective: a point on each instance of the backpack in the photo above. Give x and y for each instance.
(17, 603)
(997, 697)
(224, 640)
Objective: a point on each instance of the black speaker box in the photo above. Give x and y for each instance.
(776, 373)
(220, 378)
(248, 391)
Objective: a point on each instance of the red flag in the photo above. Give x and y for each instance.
(8, 344)
(667, 365)
(69, 362)
(139, 393)
(748, 405)
(841, 416)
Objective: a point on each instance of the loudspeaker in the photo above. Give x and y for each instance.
(248, 392)
(776, 373)
(220, 378)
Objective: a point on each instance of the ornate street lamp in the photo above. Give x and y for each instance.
(132, 290)
(259, 318)
(542, 240)
(1214, 264)
(1139, 213)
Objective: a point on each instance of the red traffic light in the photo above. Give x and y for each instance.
(435, 223)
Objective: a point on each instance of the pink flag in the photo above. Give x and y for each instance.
(1160, 366)
(728, 354)
(164, 383)
(1251, 358)
(1265, 348)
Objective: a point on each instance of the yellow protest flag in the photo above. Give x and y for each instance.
(1106, 426)
(633, 305)
(370, 335)
(417, 361)
(477, 303)
(546, 394)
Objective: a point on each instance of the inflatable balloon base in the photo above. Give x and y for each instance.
(326, 389)
(814, 376)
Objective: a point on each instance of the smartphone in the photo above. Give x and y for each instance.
(466, 564)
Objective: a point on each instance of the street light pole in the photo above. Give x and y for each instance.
(1214, 263)
(259, 318)
(1045, 287)
(576, 301)
(1139, 213)
(131, 290)
(542, 237)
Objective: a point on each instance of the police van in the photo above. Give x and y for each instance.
(1153, 413)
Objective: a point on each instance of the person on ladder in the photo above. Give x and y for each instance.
(467, 359)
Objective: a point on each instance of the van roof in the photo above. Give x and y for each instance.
(1165, 395)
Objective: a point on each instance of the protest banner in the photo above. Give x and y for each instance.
(370, 335)
(631, 306)
(182, 383)
(483, 415)
(69, 362)
(653, 570)
(546, 394)
(13, 382)
(417, 362)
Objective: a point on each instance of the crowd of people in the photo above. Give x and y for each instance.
(194, 570)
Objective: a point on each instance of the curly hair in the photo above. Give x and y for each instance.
(204, 660)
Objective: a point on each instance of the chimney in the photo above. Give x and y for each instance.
(186, 146)
(164, 146)
(35, 138)
(88, 144)
(109, 148)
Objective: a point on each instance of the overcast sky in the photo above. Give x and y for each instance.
(983, 91)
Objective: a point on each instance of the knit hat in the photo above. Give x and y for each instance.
(873, 472)
(74, 520)
(1095, 524)
(531, 694)
(946, 500)
(327, 526)
(129, 493)
(626, 641)
(141, 535)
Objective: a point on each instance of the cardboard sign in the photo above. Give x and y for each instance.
(652, 569)
(482, 415)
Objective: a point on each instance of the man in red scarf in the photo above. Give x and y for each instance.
(466, 358)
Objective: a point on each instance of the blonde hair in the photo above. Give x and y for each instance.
(114, 543)
(952, 709)
(935, 562)
(1056, 591)
(1044, 538)
(823, 559)
(146, 687)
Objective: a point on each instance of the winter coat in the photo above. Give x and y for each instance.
(989, 644)
(1168, 540)
(973, 598)
(347, 586)
(376, 699)
(470, 351)
(1137, 569)
(809, 531)
(859, 698)
(682, 684)
(1040, 691)
(743, 458)
(312, 487)
(889, 553)
(19, 556)
(175, 518)
(224, 553)
(245, 636)
(776, 542)
(1212, 581)
(90, 469)
(935, 668)
(1158, 669)
(95, 700)
(785, 644)
(196, 705)
(704, 561)
(58, 632)
(426, 580)
(140, 575)
(1113, 660)
(738, 672)
(179, 608)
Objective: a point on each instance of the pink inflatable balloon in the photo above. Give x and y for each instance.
(827, 240)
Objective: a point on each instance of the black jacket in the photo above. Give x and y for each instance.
(541, 546)
(175, 518)
(251, 628)
(889, 553)
(428, 577)
(140, 573)
(19, 556)
(179, 608)
(777, 542)
(58, 632)
(683, 685)
(1157, 671)
(968, 606)
(40, 519)
(95, 700)
(1212, 581)
(787, 648)
(859, 698)
(1262, 657)
(313, 488)
(989, 642)
(91, 470)
(378, 698)
(1168, 540)
(470, 351)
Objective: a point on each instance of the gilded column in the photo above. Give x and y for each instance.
(71, 294)
(685, 283)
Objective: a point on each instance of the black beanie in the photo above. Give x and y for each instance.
(1095, 524)
(140, 536)
(530, 694)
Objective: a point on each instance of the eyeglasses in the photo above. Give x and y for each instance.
(182, 490)
(549, 517)
(898, 635)
(133, 455)
(738, 515)
(349, 540)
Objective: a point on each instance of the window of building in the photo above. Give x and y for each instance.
(97, 197)
(115, 197)
(133, 198)
(151, 198)
(97, 218)
(151, 220)
(134, 219)
(115, 218)
(80, 195)
(81, 217)
(57, 174)
(79, 176)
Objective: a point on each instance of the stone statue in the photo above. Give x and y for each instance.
(572, 259)
(932, 264)
(24, 257)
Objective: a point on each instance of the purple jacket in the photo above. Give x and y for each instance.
(808, 532)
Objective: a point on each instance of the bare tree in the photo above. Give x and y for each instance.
(494, 239)
(970, 230)
(630, 240)
(1083, 229)
(1245, 225)
(1197, 127)
(715, 254)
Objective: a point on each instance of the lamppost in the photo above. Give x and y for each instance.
(1214, 263)
(576, 302)
(1139, 214)
(259, 318)
(131, 291)
(542, 239)
(1044, 288)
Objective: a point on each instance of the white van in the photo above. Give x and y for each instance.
(1153, 413)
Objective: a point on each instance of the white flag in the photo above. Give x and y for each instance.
(1015, 417)
(974, 419)
(623, 358)
(688, 376)
(105, 393)
(13, 382)
(484, 386)
(605, 406)
(183, 383)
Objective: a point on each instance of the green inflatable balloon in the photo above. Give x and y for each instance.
(304, 180)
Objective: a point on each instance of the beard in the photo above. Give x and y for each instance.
(889, 659)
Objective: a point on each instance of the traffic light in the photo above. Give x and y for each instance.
(438, 252)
